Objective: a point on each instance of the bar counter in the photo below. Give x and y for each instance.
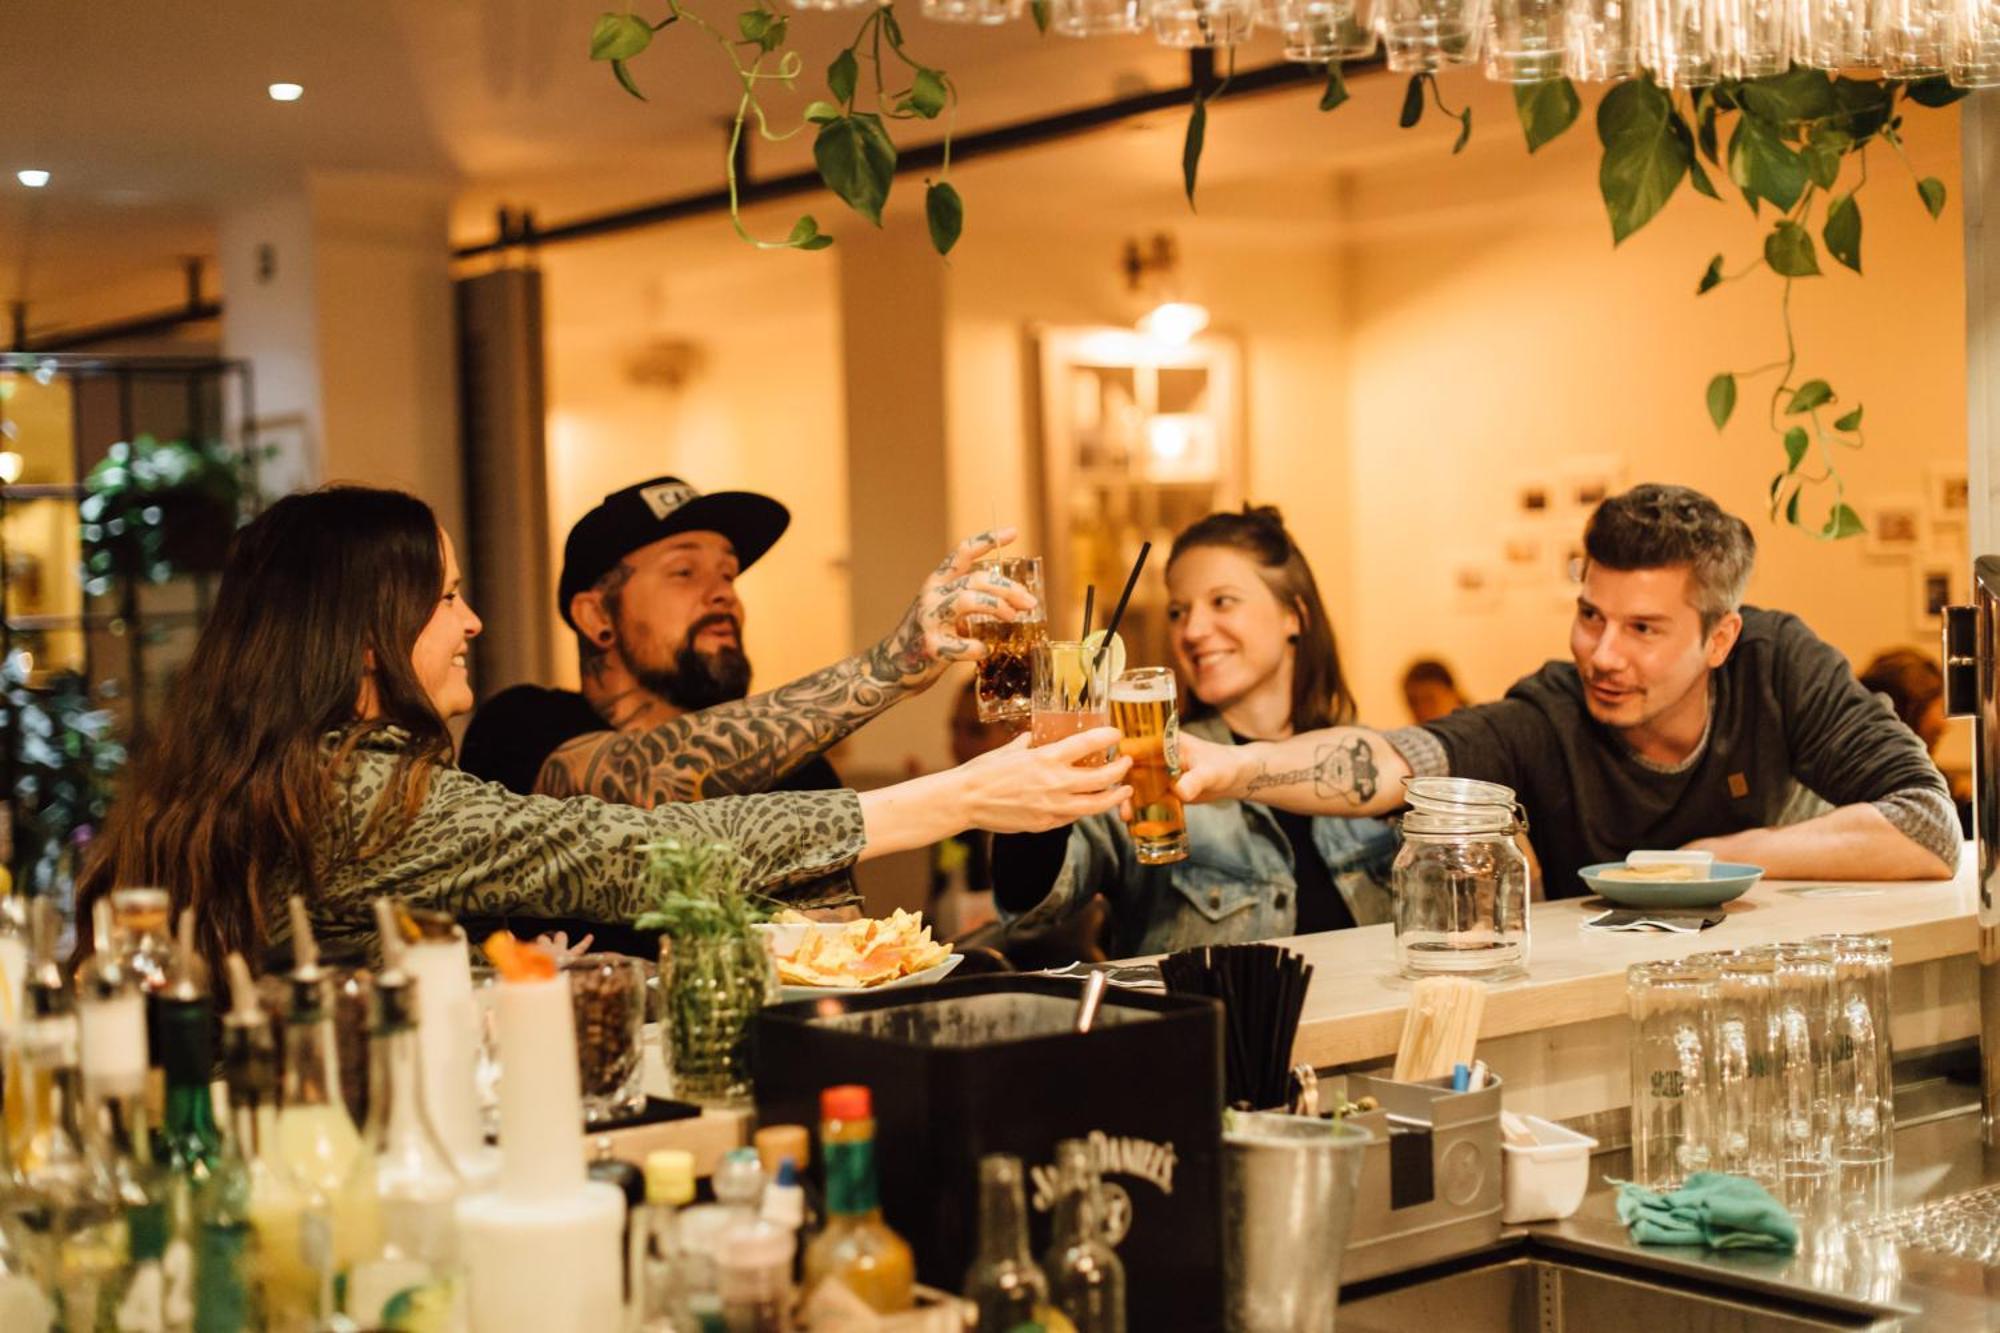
(1559, 1036)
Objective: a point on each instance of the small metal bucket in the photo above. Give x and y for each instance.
(1287, 1196)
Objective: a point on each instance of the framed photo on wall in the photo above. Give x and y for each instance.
(1934, 585)
(1895, 527)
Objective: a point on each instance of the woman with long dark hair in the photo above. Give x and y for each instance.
(1255, 651)
(306, 752)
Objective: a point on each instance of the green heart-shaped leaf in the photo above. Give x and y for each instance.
(1721, 399)
(1546, 109)
(1842, 232)
(944, 213)
(1811, 394)
(1790, 252)
(619, 37)
(857, 161)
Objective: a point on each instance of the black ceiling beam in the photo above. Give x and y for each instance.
(139, 326)
(922, 157)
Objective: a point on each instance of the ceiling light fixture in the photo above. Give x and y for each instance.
(287, 92)
(32, 177)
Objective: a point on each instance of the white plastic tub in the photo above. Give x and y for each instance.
(1548, 1180)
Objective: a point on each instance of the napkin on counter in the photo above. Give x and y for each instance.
(1720, 1211)
(1679, 920)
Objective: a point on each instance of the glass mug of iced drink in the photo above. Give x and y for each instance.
(1004, 686)
(1072, 690)
(1142, 706)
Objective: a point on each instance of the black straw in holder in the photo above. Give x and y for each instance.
(1089, 601)
(1263, 990)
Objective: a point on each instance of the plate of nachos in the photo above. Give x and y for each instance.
(839, 957)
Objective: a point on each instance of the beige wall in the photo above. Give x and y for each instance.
(758, 407)
(1497, 337)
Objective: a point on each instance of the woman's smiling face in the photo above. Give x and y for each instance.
(1231, 634)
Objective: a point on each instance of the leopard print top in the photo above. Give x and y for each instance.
(475, 848)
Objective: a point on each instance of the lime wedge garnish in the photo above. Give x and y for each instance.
(1114, 656)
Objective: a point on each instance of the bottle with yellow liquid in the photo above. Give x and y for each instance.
(1005, 1284)
(317, 1141)
(857, 1249)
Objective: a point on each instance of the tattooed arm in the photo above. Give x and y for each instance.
(1337, 771)
(747, 745)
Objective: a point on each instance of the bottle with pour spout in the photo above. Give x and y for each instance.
(413, 1276)
(317, 1141)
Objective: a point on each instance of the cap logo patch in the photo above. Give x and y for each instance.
(665, 498)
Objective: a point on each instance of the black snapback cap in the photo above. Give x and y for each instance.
(640, 515)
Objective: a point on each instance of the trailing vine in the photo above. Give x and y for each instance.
(1790, 138)
(852, 148)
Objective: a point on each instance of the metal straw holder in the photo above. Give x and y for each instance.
(1430, 1179)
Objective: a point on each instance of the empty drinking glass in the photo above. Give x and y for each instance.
(1425, 35)
(1834, 34)
(1524, 40)
(1804, 976)
(1197, 23)
(1913, 36)
(1758, 37)
(1313, 31)
(1602, 40)
(1974, 58)
(1357, 37)
(1682, 41)
(1673, 1010)
(1864, 1121)
(1744, 1119)
(984, 12)
(1095, 18)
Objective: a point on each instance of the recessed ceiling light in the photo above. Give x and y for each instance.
(32, 178)
(287, 92)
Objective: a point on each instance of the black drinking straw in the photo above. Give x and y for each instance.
(1118, 611)
(1089, 601)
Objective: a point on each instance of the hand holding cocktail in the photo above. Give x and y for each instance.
(944, 624)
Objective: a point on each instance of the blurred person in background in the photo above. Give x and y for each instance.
(961, 883)
(1255, 651)
(1914, 686)
(1430, 692)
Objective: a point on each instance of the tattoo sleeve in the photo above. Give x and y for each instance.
(1343, 771)
(739, 747)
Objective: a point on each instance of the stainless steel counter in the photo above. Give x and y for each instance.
(1585, 1271)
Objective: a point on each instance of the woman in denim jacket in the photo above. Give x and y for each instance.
(1256, 653)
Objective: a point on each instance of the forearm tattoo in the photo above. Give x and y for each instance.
(744, 746)
(1341, 771)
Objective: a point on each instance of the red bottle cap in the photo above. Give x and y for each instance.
(849, 1101)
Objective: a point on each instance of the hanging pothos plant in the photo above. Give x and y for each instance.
(1784, 140)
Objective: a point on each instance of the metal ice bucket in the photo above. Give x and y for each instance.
(1287, 1196)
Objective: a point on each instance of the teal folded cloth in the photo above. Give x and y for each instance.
(1720, 1211)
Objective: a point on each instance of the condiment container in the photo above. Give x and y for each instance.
(542, 1248)
(1547, 1180)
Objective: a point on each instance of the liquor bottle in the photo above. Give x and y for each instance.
(156, 1287)
(234, 1288)
(1005, 1284)
(655, 1260)
(856, 1250)
(1086, 1277)
(413, 1276)
(183, 1017)
(317, 1141)
(142, 942)
(66, 1201)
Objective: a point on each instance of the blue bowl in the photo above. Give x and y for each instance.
(1725, 881)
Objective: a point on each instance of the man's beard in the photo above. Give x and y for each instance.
(696, 679)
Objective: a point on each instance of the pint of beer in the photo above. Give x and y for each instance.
(1004, 685)
(1142, 706)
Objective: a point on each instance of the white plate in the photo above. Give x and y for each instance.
(923, 978)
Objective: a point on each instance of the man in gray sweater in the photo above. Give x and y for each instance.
(1683, 719)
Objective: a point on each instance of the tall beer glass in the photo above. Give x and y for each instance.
(1142, 706)
(1004, 687)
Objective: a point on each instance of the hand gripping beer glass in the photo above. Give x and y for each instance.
(1142, 707)
(1004, 685)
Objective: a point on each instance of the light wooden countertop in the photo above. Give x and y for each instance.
(1354, 1005)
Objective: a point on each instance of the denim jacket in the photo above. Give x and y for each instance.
(1236, 884)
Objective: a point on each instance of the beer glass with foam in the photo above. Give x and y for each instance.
(1142, 707)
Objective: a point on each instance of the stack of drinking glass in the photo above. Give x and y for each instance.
(1685, 43)
(1771, 1063)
